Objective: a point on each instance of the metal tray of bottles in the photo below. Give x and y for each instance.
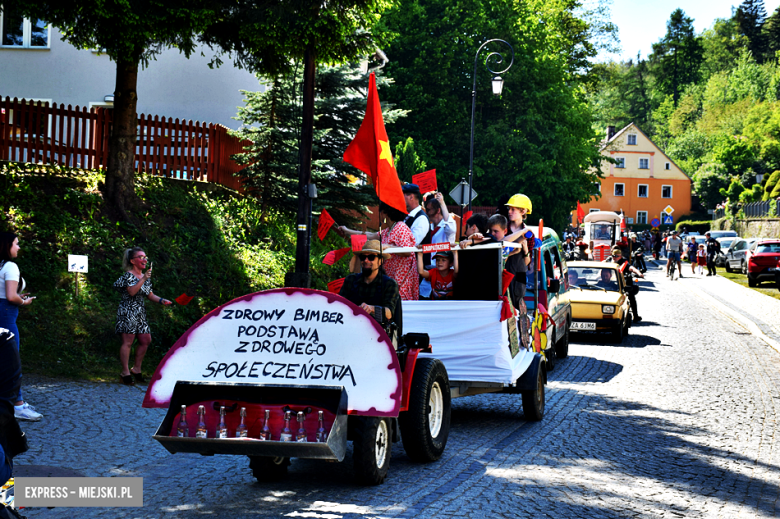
(332, 400)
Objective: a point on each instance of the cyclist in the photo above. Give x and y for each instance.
(632, 289)
(674, 247)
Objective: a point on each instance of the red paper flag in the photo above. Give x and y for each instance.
(426, 181)
(335, 286)
(370, 152)
(335, 255)
(183, 299)
(622, 222)
(324, 224)
(358, 240)
(580, 213)
(466, 216)
(506, 279)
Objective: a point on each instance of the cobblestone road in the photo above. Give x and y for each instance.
(681, 420)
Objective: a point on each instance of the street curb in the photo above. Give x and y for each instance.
(736, 317)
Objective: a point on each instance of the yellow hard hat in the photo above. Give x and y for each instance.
(521, 201)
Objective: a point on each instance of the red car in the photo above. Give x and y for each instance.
(762, 261)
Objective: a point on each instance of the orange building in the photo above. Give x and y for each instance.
(643, 183)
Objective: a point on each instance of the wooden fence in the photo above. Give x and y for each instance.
(77, 137)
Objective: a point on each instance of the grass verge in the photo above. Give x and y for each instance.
(766, 288)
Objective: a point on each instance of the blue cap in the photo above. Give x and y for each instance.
(410, 188)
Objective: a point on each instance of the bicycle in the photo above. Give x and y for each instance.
(672, 268)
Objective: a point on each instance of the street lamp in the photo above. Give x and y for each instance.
(498, 85)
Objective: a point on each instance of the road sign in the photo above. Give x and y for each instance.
(461, 194)
(655, 222)
(668, 210)
(668, 219)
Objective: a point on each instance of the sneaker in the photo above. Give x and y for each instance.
(680, 275)
(637, 319)
(27, 412)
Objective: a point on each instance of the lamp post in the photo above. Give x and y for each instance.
(497, 84)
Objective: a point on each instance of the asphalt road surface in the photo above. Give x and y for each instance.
(680, 420)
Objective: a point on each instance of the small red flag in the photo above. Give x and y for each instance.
(580, 213)
(426, 181)
(335, 255)
(358, 240)
(370, 152)
(184, 299)
(466, 216)
(506, 279)
(324, 224)
(335, 286)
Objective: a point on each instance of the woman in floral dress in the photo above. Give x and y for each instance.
(401, 267)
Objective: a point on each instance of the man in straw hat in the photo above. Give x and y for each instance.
(371, 289)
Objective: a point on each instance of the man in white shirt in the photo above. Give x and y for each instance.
(673, 252)
(417, 220)
(443, 230)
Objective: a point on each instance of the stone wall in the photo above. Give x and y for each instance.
(755, 227)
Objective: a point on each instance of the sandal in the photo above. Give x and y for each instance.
(126, 380)
(139, 377)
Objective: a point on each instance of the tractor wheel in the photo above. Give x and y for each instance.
(371, 449)
(425, 427)
(533, 401)
(265, 468)
(562, 348)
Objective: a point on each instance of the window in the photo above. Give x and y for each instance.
(23, 33)
(642, 191)
(620, 189)
(632, 140)
(666, 191)
(621, 162)
(644, 164)
(667, 165)
(598, 186)
(641, 217)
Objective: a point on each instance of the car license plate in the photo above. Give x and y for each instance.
(583, 326)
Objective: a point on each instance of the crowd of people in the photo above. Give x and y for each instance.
(378, 281)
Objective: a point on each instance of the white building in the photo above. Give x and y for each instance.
(36, 64)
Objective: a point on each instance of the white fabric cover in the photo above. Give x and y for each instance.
(468, 337)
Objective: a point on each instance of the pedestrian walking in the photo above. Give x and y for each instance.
(713, 249)
(13, 296)
(135, 285)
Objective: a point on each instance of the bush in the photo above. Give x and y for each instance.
(204, 239)
(699, 227)
(771, 185)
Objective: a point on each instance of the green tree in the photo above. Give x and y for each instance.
(536, 138)
(676, 59)
(733, 192)
(131, 34)
(707, 183)
(772, 34)
(721, 44)
(750, 18)
(264, 37)
(734, 153)
(407, 162)
(272, 119)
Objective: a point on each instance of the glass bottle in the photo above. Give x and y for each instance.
(183, 431)
(286, 435)
(241, 431)
(265, 433)
(301, 436)
(322, 434)
(222, 427)
(201, 432)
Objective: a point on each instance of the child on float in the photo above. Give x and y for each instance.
(443, 276)
(701, 259)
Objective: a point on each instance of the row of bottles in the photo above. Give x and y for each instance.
(285, 435)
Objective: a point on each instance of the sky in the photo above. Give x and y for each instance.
(642, 23)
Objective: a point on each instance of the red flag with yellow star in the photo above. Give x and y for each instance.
(369, 152)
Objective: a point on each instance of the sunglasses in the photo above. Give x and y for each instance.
(141, 257)
(369, 257)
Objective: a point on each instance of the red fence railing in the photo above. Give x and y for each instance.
(77, 137)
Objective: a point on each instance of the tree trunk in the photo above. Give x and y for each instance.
(119, 191)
